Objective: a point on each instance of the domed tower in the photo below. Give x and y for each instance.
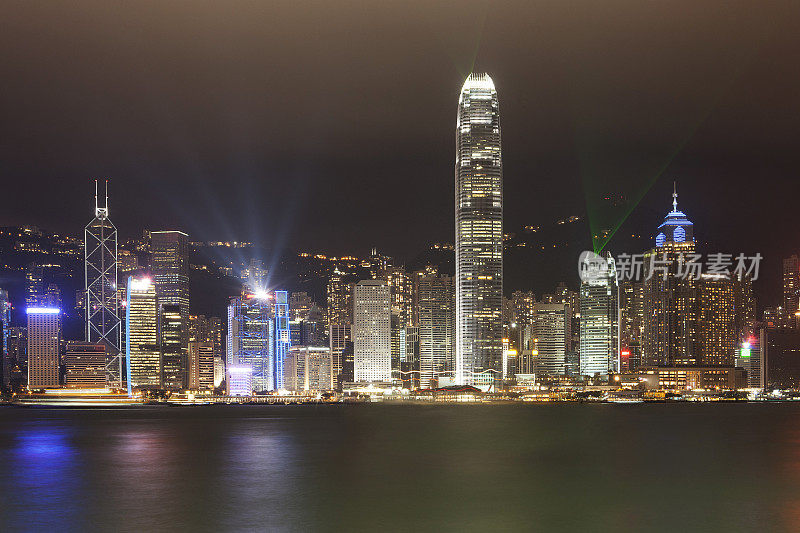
(676, 228)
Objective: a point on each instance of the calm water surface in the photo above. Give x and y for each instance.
(400, 467)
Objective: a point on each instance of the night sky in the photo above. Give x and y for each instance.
(330, 125)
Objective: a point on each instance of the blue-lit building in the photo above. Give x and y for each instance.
(259, 337)
(669, 298)
(5, 325)
(251, 339)
(282, 335)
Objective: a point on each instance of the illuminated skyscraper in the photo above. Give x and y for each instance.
(5, 325)
(791, 292)
(551, 329)
(44, 336)
(282, 335)
(338, 337)
(171, 269)
(479, 235)
(251, 342)
(669, 300)
(141, 331)
(34, 284)
(599, 323)
(372, 331)
(102, 304)
(340, 300)
(174, 366)
(436, 296)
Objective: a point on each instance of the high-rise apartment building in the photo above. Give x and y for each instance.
(479, 235)
(44, 336)
(143, 353)
(372, 331)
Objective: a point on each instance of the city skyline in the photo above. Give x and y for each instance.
(442, 265)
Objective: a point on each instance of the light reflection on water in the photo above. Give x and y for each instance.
(559, 467)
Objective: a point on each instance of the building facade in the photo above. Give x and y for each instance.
(436, 302)
(85, 364)
(479, 235)
(372, 331)
(44, 337)
(143, 353)
(599, 323)
(251, 340)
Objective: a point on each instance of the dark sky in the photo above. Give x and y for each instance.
(330, 125)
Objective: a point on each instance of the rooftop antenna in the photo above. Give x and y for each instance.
(674, 197)
(100, 212)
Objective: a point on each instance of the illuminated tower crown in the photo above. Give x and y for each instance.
(676, 227)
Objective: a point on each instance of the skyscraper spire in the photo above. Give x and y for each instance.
(674, 197)
(100, 212)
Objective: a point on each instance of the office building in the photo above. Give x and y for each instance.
(669, 299)
(85, 365)
(239, 379)
(338, 337)
(219, 371)
(251, 340)
(173, 358)
(372, 332)
(340, 300)
(170, 265)
(143, 352)
(44, 337)
(781, 352)
(791, 292)
(551, 329)
(308, 368)
(436, 301)
(479, 235)
(101, 302)
(717, 336)
(282, 335)
(201, 365)
(599, 323)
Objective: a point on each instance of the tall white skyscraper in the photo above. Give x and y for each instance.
(479, 235)
(372, 346)
(599, 344)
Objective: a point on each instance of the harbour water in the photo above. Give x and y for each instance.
(559, 467)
